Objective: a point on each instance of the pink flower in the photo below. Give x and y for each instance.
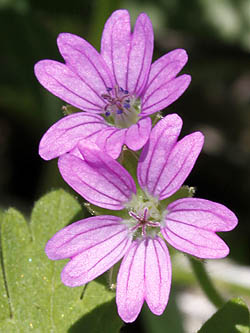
(146, 217)
(118, 88)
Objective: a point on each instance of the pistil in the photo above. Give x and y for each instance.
(143, 222)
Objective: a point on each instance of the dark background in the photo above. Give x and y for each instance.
(216, 35)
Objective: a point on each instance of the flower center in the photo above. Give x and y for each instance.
(146, 216)
(143, 223)
(122, 108)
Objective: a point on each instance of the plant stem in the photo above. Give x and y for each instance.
(206, 283)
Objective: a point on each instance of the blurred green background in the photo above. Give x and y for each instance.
(216, 35)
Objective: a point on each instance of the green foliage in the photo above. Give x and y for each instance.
(32, 297)
(233, 317)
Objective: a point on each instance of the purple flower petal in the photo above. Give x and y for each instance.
(64, 135)
(82, 235)
(204, 214)
(61, 81)
(163, 71)
(94, 245)
(111, 140)
(157, 275)
(196, 241)
(178, 165)
(137, 135)
(98, 178)
(140, 55)
(83, 59)
(128, 55)
(115, 45)
(164, 164)
(130, 282)
(145, 274)
(155, 153)
(163, 93)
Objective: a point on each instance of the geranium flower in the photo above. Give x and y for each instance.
(95, 244)
(118, 88)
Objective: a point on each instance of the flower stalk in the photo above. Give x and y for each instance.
(206, 283)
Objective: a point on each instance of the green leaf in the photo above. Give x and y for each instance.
(233, 317)
(32, 296)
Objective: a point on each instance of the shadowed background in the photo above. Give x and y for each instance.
(216, 35)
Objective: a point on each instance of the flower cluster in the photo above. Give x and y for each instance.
(118, 90)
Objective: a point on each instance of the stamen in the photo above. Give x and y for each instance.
(107, 97)
(117, 102)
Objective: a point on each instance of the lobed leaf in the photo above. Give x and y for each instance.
(32, 296)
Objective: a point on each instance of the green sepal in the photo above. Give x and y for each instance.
(129, 160)
(69, 109)
(184, 192)
(95, 210)
(155, 117)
